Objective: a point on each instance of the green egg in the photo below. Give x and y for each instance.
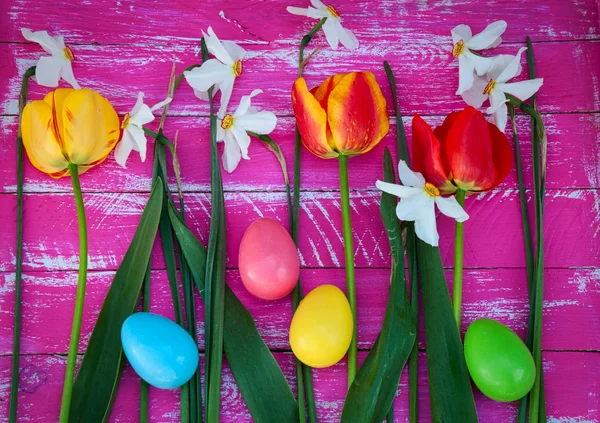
(499, 362)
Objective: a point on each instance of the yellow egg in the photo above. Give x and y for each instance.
(321, 328)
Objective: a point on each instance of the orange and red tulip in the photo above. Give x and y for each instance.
(69, 127)
(466, 152)
(345, 115)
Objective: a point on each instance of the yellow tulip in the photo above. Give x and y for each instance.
(77, 127)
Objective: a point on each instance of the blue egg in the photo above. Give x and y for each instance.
(159, 350)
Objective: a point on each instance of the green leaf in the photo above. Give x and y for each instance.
(257, 374)
(97, 381)
(451, 396)
(372, 393)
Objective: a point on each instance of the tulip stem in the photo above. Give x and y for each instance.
(458, 262)
(79, 298)
(349, 259)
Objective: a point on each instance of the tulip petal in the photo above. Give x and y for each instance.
(39, 139)
(356, 113)
(55, 99)
(502, 152)
(488, 37)
(89, 127)
(466, 68)
(450, 207)
(427, 157)
(400, 191)
(312, 121)
(523, 89)
(323, 91)
(469, 147)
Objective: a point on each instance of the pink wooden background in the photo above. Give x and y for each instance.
(126, 46)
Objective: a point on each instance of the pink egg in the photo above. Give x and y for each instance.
(268, 260)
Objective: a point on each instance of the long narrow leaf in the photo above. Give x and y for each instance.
(98, 377)
(257, 374)
(372, 393)
(451, 396)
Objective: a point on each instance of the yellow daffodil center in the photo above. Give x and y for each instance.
(125, 121)
(333, 11)
(227, 122)
(489, 87)
(431, 190)
(237, 68)
(68, 53)
(458, 48)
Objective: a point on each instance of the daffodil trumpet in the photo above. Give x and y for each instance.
(345, 116)
(68, 133)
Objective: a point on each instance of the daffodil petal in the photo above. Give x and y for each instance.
(346, 37)
(474, 96)
(47, 42)
(500, 117)
(318, 4)
(481, 64)
(461, 32)
(299, 11)
(499, 63)
(488, 37)
(220, 131)
(39, 140)
(450, 207)
(242, 138)
(331, 33)
(408, 177)
(245, 103)
(138, 104)
(513, 68)
(523, 89)
(226, 88)
(123, 149)
(318, 13)
(90, 127)
(231, 153)
(497, 99)
(66, 73)
(139, 140)
(47, 71)
(214, 46)
(399, 191)
(143, 116)
(412, 208)
(465, 74)
(426, 225)
(235, 51)
(261, 123)
(210, 73)
(161, 104)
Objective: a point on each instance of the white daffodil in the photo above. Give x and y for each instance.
(49, 69)
(333, 29)
(469, 62)
(417, 203)
(495, 87)
(219, 72)
(233, 130)
(134, 138)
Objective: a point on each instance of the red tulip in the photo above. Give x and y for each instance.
(466, 152)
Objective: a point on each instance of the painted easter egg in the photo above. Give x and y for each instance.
(268, 260)
(499, 362)
(321, 328)
(159, 350)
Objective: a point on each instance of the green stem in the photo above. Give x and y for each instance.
(304, 42)
(458, 262)
(349, 259)
(14, 380)
(79, 298)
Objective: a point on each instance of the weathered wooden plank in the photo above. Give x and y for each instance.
(572, 384)
(427, 80)
(403, 21)
(492, 235)
(573, 160)
(571, 296)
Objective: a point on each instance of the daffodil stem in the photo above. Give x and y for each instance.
(458, 262)
(349, 259)
(14, 382)
(304, 42)
(79, 298)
